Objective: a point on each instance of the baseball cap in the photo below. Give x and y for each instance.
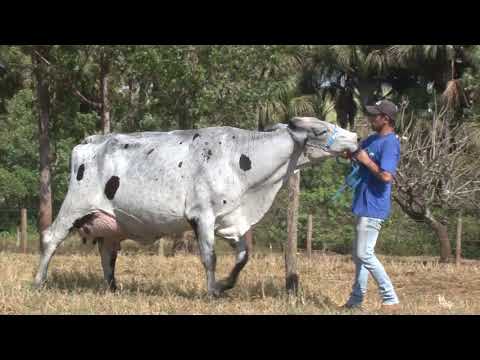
(385, 107)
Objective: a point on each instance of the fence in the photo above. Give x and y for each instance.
(21, 229)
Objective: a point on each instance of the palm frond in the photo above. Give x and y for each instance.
(376, 62)
(300, 106)
(345, 55)
(403, 54)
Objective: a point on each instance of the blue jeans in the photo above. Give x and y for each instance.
(367, 230)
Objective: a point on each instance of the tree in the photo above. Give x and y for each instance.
(438, 172)
(40, 54)
(90, 70)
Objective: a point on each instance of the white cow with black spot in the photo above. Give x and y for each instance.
(219, 180)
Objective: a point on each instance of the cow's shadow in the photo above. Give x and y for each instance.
(81, 282)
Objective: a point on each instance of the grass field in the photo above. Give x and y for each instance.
(150, 284)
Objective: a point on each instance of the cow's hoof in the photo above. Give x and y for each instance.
(215, 293)
(38, 285)
(224, 284)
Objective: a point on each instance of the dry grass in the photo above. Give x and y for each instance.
(176, 285)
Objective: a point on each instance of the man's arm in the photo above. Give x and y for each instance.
(363, 158)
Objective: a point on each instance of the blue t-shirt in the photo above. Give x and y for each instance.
(372, 196)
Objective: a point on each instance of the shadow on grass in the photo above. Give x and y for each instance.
(79, 282)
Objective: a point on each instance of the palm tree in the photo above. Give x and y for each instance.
(440, 65)
(347, 75)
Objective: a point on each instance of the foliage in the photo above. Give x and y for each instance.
(192, 86)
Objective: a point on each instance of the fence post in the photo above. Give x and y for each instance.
(291, 275)
(161, 247)
(458, 252)
(309, 235)
(17, 243)
(23, 227)
(249, 241)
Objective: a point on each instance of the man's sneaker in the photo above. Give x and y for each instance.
(351, 307)
(390, 308)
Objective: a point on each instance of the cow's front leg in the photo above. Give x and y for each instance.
(203, 226)
(50, 239)
(108, 252)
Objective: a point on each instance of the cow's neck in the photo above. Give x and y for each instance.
(286, 154)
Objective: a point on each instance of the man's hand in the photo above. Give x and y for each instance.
(362, 157)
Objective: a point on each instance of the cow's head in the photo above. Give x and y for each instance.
(321, 137)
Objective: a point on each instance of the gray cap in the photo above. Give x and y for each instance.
(385, 107)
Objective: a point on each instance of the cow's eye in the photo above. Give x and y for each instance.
(317, 133)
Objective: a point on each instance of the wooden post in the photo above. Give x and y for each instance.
(17, 244)
(459, 240)
(249, 241)
(161, 248)
(291, 276)
(23, 227)
(309, 235)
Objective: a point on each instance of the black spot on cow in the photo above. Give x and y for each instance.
(245, 163)
(150, 151)
(80, 171)
(219, 143)
(224, 202)
(181, 142)
(126, 146)
(180, 164)
(233, 137)
(111, 187)
(195, 136)
(207, 155)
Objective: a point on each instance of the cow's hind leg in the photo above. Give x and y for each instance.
(108, 252)
(203, 226)
(241, 260)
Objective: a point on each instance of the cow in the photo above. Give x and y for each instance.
(216, 181)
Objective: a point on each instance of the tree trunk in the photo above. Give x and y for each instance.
(105, 103)
(43, 102)
(291, 276)
(309, 235)
(442, 233)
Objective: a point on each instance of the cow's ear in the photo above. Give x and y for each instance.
(293, 123)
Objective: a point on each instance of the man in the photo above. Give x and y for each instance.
(378, 157)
